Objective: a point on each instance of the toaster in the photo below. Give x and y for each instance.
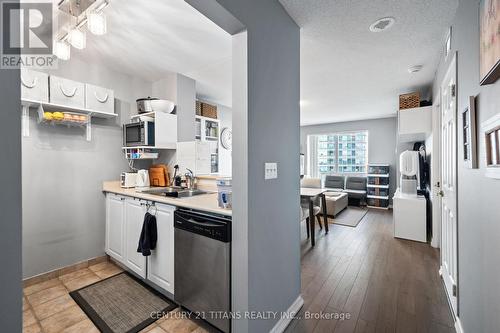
(128, 179)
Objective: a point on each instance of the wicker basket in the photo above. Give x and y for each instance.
(208, 110)
(409, 101)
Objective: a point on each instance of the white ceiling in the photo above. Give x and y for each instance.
(350, 73)
(150, 39)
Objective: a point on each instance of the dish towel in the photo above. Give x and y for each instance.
(149, 235)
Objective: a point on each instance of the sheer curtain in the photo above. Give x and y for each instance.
(312, 156)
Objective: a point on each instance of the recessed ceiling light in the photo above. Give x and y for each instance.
(415, 69)
(382, 24)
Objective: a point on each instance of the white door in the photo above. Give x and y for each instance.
(449, 257)
(436, 173)
(115, 226)
(161, 260)
(134, 218)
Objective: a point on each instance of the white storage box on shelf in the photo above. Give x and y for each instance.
(34, 85)
(99, 99)
(66, 92)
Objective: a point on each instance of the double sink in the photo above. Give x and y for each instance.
(174, 192)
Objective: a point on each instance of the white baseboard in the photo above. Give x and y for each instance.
(285, 320)
(458, 326)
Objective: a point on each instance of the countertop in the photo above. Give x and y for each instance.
(204, 202)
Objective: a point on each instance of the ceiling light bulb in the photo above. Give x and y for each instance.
(77, 38)
(96, 22)
(62, 50)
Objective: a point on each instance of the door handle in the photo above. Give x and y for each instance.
(441, 194)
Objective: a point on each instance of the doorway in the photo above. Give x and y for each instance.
(448, 192)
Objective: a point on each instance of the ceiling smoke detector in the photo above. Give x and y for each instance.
(382, 24)
(415, 69)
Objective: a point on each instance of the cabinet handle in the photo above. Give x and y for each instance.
(29, 85)
(71, 94)
(101, 100)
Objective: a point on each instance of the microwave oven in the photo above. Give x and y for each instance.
(140, 133)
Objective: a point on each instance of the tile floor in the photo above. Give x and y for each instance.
(48, 307)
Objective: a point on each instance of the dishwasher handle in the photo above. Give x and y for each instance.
(205, 224)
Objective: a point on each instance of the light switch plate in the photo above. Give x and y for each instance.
(270, 171)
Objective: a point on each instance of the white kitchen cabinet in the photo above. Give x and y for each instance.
(115, 227)
(194, 155)
(134, 217)
(161, 261)
(124, 220)
(415, 124)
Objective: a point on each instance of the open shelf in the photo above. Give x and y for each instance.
(145, 152)
(64, 108)
(171, 146)
(386, 197)
(72, 121)
(377, 186)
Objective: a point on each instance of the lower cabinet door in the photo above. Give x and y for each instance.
(161, 261)
(134, 218)
(115, 227)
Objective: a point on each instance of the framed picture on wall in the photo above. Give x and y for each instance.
(469, 134)
(489, 41)
(491, 142)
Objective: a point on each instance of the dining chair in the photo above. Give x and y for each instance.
(304, 202)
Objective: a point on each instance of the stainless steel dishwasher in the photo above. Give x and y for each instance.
(202, 282)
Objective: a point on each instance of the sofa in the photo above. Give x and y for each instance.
(354, 186)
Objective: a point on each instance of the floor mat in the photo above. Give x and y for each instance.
(121, 304)
(351, 216)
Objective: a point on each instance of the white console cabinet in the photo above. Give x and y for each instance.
(410, 220)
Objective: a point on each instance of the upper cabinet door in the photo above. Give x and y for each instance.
(161, 261)
(115, 226)
(134, 218)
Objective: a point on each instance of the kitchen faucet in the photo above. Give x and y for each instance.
(189, 179)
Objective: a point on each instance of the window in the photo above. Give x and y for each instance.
(337, 153)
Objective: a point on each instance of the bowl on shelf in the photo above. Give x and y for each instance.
(162, 105)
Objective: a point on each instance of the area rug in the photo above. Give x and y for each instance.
(121, 304)
(351, 216)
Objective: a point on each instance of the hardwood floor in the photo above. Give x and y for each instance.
(378, 283)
